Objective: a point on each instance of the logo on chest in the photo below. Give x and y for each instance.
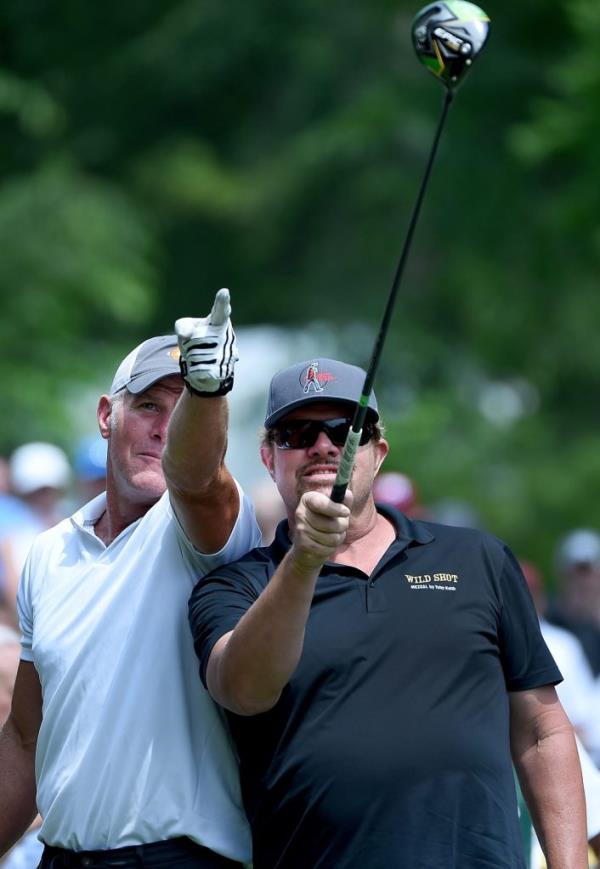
(433, 581)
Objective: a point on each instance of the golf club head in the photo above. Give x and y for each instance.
(448, 36)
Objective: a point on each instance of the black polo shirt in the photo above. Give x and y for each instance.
(389, 747)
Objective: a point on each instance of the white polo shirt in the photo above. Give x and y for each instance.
(131, 748)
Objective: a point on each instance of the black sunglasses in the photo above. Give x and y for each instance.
(298, 434)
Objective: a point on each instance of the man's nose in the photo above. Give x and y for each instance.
(323, 446)
(160, 427)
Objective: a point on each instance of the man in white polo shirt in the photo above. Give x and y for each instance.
(132, 764)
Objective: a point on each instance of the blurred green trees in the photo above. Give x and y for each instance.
(153, 152)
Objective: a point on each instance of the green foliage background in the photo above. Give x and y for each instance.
(153, 152)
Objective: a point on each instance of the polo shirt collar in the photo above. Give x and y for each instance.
(409, 530)
(89, 514)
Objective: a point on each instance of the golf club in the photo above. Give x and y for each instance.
(447, 38)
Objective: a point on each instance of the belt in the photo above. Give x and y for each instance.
(132, 856)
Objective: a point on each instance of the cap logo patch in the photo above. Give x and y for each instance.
(313, 380)
(175, 353)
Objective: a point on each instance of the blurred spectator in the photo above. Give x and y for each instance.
(8, 616)
(39, 475)
(578, 692)
(89, 465)
(577, 603)
(591, 784)
(4, 482)
(459, 514)
(12, 510)
(579, 696)
(12, 513)
(399, 491)
(578, 561)
(27, 853)
(10, 649)
(14, 518)
(269, 509)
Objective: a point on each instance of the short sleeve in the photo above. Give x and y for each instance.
(25, 609)
(217, 604)
(526, 660)
(244, 536)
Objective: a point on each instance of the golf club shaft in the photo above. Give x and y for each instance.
(346, 464)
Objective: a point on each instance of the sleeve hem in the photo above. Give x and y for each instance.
(230, 549)
(535, 680)
(210, 644)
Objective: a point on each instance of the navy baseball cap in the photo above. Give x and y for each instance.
(148, 362)
(316, 380)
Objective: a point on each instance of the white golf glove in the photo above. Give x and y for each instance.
(208, 349)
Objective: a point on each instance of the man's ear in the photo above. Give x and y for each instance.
(382, 448)
(266, 455)
(103, 414)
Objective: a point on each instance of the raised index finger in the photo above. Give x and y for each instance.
(221, 309)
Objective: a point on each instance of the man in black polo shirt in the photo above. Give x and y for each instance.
(378, 672)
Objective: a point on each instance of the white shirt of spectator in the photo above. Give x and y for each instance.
(576, 693)
(131, 748)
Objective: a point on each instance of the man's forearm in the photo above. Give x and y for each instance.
(196, 442)
(17, 794)
(550, 777)
(249, 671)
(248, 668)
(202, 491)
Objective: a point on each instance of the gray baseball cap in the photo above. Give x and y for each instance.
(148, 362)
(316, 380)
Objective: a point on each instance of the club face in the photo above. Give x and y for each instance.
(448, 36)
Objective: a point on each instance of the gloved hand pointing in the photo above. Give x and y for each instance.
(208, 349)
